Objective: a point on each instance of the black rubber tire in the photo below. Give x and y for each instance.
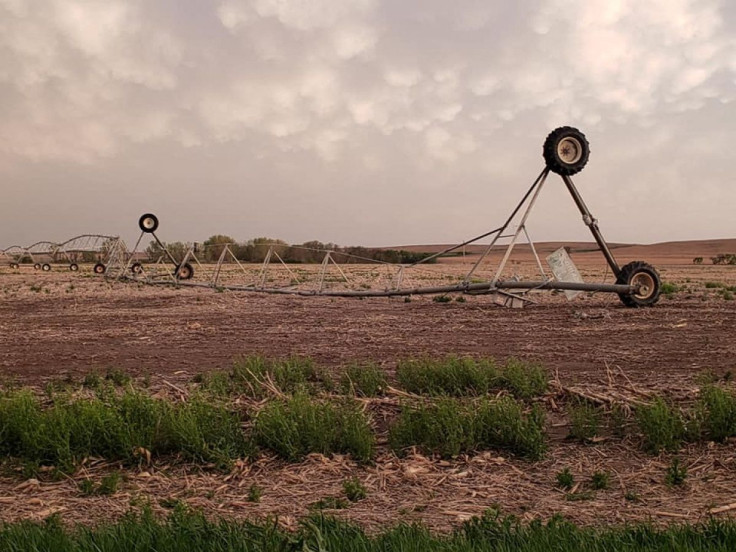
(148, 223)
(46, 267)
(644, 273)
(99, 268)
(566, 151)
(37, 266)
(74, 267)
(136, 268)
(184, 272)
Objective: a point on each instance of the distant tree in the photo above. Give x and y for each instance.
(215, 245)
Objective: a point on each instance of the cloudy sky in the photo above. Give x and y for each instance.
(374, 122)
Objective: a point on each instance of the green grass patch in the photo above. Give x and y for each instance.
(662, 426)
(450, 427)
(585, 420)
(301, 425)
(463, 376)
(184, 531)
(255, 376)
(363, 380)
(123, 427)
(716, 411)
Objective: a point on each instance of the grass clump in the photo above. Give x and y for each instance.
(600, 480)
(363, 380)
(450, 427)
(662, 426)
(462, 376)
(117, 427)
(354, 489)
(300, 425)
(717, 413)
(676, 473)
(668, 288)
(565, 479)
(255, 376)
(585, 420)
(255, 493)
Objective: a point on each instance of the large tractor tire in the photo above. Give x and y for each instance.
(645, 277)
(566, 151)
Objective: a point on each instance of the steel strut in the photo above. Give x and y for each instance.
(592, 223)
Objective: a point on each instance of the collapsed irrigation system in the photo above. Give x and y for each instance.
(342, 274)
(565, 151)
(88, 248)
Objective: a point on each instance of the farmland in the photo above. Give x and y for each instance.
(75, 339)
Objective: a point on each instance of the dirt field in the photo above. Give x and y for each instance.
(59, 324)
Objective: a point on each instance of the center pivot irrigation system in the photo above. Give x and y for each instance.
(565, 152)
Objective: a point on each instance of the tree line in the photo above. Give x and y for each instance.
(255, 251)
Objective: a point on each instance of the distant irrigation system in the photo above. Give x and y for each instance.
(341, 274)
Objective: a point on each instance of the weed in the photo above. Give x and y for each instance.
(631, 496)
(717, 411)
(676, 473)
(668, 288)
(662, 426)
(600, 480)
(617, 421)
(565, 479)
(450, 427)
(441, 298)
(257, 376)
(363, 380)
(87, 487)
(115, 428)
(329, 503)
(118, 377)
(298, 426)
(460, 299)
(585, 420)
(255, 493)
(354, 490)
(714, 285)
(91, 380)
(461, 376)
(109, 484)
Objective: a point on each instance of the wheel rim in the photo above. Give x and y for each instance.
(185, 273)
(149, 223)
(569, 150)
(645, 284)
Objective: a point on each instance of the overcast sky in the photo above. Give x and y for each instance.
(373, 122)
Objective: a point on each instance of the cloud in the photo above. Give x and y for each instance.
(419, 94)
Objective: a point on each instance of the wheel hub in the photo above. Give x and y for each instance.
(644, 284)
(569, 150)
